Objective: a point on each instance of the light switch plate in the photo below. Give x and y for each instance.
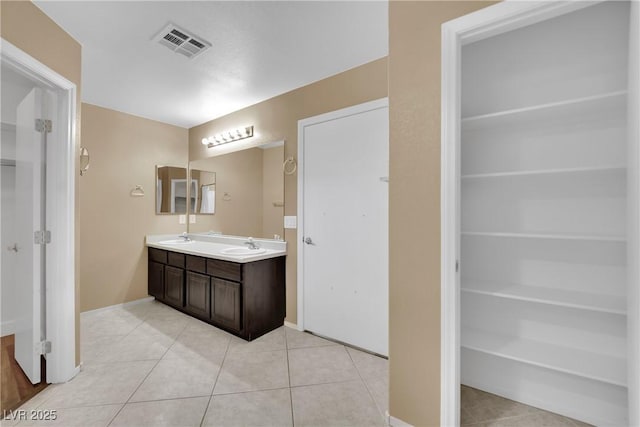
(192, 219)
(291, 222)
(182, 219)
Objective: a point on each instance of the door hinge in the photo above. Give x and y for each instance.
(457, 266)
(45, 347)
(42, 237)
(43, 125)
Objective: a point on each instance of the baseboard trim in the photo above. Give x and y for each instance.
(124, 304)
(395, 422)
(8, 327)
(291, 325)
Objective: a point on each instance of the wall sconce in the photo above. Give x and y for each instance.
(228, 136)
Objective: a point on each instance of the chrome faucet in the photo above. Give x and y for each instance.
(251, 243)
(185, 237)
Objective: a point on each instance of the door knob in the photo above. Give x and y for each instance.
(308, 241)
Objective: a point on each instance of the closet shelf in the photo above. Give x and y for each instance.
(595, 366)
(612, 101)
(611, 304)
(547, 236)
(537, 172)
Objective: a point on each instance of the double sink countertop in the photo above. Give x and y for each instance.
(228, 248)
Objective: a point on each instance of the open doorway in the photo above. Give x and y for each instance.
(37, 152)
(23, 187)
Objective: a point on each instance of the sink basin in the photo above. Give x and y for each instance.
(175, 242)
(243, 251)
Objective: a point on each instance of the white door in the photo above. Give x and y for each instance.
(345, 225)
(29, 218)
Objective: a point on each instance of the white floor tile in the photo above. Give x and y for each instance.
(253, 371)
(318, 365)
(178, 378)
(257, 408)
(163, 413)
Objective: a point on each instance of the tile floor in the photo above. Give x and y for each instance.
(482, 409)
(150, 365)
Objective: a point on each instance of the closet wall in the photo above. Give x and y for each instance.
(543, 218)
(7, 206)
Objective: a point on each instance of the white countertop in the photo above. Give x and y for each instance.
(211, 246)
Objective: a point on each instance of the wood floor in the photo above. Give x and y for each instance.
(16, 387)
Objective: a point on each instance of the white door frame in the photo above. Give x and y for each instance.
(488, 22)
(61, 176)
(302, 124)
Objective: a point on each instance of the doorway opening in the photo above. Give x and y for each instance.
(540, 212)
(37, 315)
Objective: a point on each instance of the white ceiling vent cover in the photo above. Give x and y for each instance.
(181, 41)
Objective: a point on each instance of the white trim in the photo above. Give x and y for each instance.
(344, 112)
(291, 325)
(493, 20)
(111, 307)
(450, 226)
(8, 327)
(61, 175)
(395, 422)
(633, 218)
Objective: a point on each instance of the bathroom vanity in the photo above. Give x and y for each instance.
(219, 280)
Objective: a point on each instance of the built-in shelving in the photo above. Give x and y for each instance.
(613, 304)
(600, 367)
(544, 228)
(546, 172)
(571, 108)
(546, 236)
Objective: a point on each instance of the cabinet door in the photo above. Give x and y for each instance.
(174, 285)
(156, 280)
(225, 303)
(198, 299)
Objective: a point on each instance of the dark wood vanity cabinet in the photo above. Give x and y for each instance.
(246, 299)
(198, 294)
(173, 286)
(226, 303)
(156, 280)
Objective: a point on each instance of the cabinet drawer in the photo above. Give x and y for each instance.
(158, 255)
(175, 259)
(196, 263)
(224, 269)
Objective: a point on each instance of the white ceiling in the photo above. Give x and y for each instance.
(260, 49)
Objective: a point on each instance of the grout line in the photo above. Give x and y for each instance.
(226, 351)
(325, 383)
(149, 373)
(286, 348)
(366, 386)
(250, 391)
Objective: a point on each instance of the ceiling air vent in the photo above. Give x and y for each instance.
(181, 41)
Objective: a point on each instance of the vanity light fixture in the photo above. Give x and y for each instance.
(228, 136)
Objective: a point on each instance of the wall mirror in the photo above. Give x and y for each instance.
(203, 192)
(171, 190)
(247, 195)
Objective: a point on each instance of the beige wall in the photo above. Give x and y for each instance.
(272, 192)
(414, 205)
(124, 151)
(239, 175)
(277, 119)
(28, 28)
